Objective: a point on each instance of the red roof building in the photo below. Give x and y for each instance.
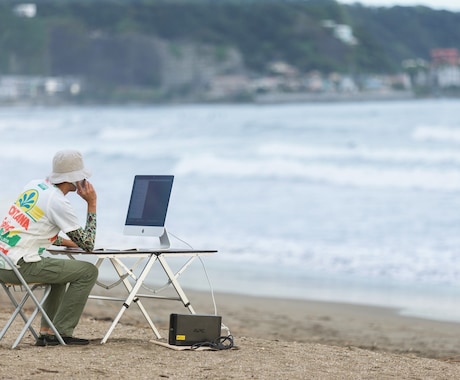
(445, 57)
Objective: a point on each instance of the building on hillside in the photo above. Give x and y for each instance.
(342, 32)
(25, 10)
(447, 76)
(445, 67)
(225, 86)
(441, 57)
(23, 87)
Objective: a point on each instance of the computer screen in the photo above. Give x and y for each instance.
(148, 205)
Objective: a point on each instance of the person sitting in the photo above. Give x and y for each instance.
(33, 223)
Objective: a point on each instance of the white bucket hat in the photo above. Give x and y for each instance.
(68, 167)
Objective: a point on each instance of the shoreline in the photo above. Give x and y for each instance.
(412, 299)
(328, 97)
(262, 100)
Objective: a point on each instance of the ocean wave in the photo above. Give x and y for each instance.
(335, 174)
(405, 156)
(418, 264)
(123, 134)
(19, 125)
(443, 134)
(25, 154)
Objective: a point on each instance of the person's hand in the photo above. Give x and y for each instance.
(86, 190)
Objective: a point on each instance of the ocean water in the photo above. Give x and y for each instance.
(348, 202)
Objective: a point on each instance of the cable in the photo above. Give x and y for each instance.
(178, 238)
(210, 287)
(222, 343)
(205, 272)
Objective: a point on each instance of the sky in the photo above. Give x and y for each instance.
(450, 5)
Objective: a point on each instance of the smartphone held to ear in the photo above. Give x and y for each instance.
(82, 183)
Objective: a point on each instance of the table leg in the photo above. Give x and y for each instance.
(132, 290)
(175, 283)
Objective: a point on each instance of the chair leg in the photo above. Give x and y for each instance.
(28, 324)
(19, 305)
(39, 305)
(28, 321)
(17, 311)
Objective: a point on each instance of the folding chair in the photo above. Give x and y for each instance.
(28, 290)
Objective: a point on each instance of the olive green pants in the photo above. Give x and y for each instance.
(65, 304)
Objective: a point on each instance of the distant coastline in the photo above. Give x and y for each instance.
(267, 98)
(332, 97)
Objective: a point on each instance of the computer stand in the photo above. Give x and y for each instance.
(164, 240)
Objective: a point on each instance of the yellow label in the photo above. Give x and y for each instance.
(180, 337)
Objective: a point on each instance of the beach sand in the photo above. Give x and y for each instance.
(274, 338)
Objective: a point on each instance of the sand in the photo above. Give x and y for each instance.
(274, 338)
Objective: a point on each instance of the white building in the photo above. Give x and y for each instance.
(345, 34)
(448, 76)
(21, 87)
(342, 32)
(25, 10)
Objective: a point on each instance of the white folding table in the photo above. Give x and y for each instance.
(147, 258)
